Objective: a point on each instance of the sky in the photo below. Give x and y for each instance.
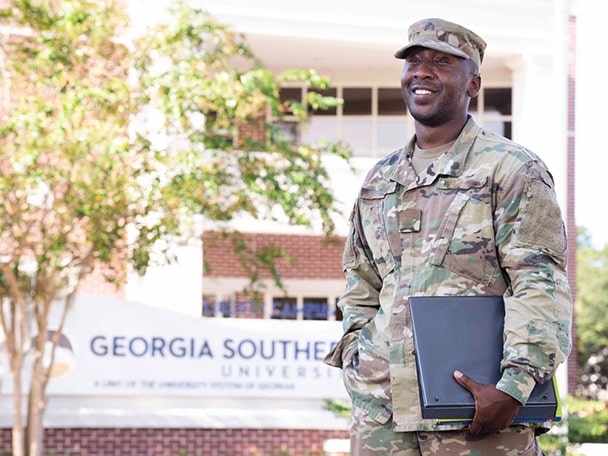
(591, 121)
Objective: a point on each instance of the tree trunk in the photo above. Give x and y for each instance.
(37, 400)
(18, 436)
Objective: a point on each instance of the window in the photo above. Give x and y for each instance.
(291, 93)
(390, 102)
(375, 121)
(284, 308)
(492, 109)
(215, 306)
(305, 308)
(302, 307)
(390, 124)
(372, 119)
(325, 93)
(289, 130)
(315, 308)
(357, 101)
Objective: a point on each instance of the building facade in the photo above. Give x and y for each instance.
(528, 84)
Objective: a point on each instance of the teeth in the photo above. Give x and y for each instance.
(422, 92)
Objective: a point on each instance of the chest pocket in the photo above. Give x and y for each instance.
(380, 223)
(464, 242)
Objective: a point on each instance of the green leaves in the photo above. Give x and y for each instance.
(241, 162)
(65, 145)
(105, 134)
(591, 317)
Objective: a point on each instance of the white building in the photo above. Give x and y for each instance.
(527, 94)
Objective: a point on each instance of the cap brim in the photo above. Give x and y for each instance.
(432, 44)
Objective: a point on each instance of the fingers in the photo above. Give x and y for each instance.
(464, 380)
(494, 410)
(475, 428)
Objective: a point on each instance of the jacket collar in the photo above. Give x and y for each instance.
(449, 164)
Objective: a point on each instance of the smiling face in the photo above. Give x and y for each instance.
(437, 87)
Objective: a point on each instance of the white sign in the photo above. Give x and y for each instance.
(114, 347)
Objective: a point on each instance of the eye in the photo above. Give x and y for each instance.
(413, 59)
(442, 60)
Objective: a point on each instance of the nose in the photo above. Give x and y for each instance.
(424, 69)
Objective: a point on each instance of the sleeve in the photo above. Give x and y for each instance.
(360, 301)
(532, 247)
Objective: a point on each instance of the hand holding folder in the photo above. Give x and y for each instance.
(494, 410)
(465, 333)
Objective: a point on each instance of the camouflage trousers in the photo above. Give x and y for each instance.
(369, 438)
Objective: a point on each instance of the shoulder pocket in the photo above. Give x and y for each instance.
(539, 224)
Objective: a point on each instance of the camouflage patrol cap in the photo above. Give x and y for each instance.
(447, 37)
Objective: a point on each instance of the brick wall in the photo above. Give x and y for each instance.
(571, 207)
(312, 257)
(181, 442)
(255, 129)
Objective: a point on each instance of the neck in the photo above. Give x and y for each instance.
(430, 136)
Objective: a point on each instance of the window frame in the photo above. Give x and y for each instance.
(481, 116)
(219, 302)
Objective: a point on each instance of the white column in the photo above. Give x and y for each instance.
(540, 105)
(540, 101)
(177, 286)
(591, 100)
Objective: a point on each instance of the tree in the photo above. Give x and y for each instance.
(65, 150)
(111, 144)
(189, 83)
(591, 317)
(203, 87)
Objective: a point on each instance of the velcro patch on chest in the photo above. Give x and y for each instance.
(410, 220)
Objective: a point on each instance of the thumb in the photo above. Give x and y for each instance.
(465, 381)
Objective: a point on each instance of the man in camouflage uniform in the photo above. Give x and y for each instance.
(459, 211)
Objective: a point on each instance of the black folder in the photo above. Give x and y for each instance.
(465, 333)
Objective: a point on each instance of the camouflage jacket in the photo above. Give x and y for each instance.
(483, 219)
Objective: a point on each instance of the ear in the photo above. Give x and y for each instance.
(474, 86)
